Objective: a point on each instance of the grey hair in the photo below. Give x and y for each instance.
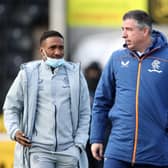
(142, 18)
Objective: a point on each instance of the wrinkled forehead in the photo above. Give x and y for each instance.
(130, 23)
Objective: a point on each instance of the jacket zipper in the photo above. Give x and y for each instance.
(55, 128)
(136, 104)
(136, 113)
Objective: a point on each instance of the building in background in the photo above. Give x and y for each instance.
(19, 21)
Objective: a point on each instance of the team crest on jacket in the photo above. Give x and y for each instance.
(155, 66)
(125, 64)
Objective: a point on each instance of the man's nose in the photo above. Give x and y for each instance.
(124, 34)
(57, 52)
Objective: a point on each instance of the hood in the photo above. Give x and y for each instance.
(159, 40)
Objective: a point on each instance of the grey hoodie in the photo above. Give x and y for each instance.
(20, 108)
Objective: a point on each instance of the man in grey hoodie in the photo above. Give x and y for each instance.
(47, 110)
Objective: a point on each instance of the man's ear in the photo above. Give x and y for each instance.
(146, 31)
(43, 54)
(41, 51)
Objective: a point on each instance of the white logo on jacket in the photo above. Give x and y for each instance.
(155, 66)
(124, 64)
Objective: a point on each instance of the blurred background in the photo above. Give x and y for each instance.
(91, 30)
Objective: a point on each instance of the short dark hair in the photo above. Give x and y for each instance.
(142, 18)
(93, 66)
(50, 33)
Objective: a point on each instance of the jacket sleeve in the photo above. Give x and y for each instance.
(103, 102)
(13, 106)
(82, 132)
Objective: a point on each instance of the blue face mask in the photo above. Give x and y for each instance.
(54, 62)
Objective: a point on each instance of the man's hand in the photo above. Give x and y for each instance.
(97, 151)
(22, 139)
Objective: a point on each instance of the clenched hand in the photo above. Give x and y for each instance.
(22, 139)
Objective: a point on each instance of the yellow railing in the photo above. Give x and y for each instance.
(2, 127)
(6, 153)
(6, 147)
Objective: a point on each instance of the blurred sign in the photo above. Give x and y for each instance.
(159, 10)
(100, 13)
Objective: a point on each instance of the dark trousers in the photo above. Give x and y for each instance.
(113, 163)
(93, 163)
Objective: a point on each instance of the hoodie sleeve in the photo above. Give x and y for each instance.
(13, 106)
(84, 114)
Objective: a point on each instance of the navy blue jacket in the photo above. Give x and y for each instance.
(133, 94)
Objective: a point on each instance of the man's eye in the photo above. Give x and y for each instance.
(61, 47)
